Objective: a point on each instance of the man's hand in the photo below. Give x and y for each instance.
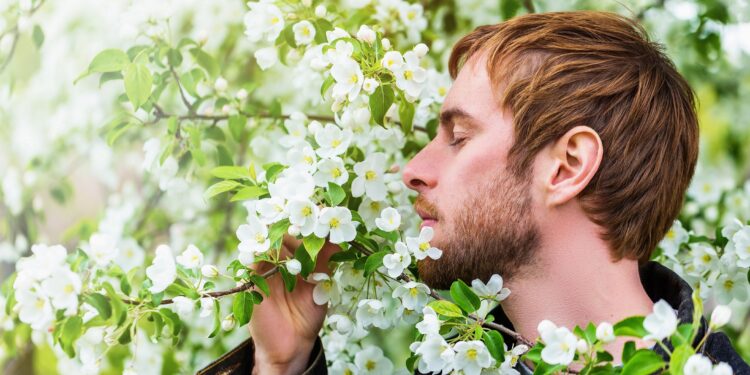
(285, 325)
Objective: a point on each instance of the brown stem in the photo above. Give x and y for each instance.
(529, 5)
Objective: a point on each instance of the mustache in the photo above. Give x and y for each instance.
(423, 205)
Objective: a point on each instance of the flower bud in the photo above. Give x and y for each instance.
(320, 11)
(395, 187)
(228, 322)
(605, 332)
(720, 316)
(582, 346)
(221, 84)
(293, 230)
(209, 271)
(241, 94)
(421, 50)
(201, 37)
(225, 109)
(386, 44)
(369, 85)
(293, 266)
(307, 3)
(366, 34)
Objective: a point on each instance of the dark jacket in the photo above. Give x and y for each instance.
(658, 281)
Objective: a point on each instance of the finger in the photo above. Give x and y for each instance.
(324, 256)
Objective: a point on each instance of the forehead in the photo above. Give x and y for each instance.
(472, 92)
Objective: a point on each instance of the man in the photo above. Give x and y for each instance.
(565, 147)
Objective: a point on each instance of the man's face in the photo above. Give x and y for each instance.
(480, 212)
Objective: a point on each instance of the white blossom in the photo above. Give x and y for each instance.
(304, 32)
(332, 140)
(293, 266)
(331, 170)
(369, 179)
(263, 21)
(191, 258)
(34, 309)
(661, 323)
(63, 288)
(435, 354)
(348, 77)
(720, 316)
(336, 221)
(324, 290)
(471, 357)
(266, 57)
(605, 332)
(420, 246)
(253, 237)
(413, 295)
(559, 343)
(671, 242)
(366, 34)
(102, 248)
(395, 263)
(162, 271)
(492, 290)
(389, 220)
(371, 361)
(209, 271)
(371, 312)
(303, 213)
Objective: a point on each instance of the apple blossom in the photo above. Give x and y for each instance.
(661, 323)
(162, 271)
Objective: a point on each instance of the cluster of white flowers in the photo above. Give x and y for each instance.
(44, 284)
(718, 271)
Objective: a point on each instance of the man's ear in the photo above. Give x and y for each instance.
(575, 158)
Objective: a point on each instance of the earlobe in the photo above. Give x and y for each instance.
(576, 157)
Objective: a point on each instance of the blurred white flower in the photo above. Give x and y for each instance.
(331, 170)
(471, 357)
(266, 57)
(293, 266)
(162, 271)
(396, 262)
(720, 316)
(492, 290)
(63, 288)
(371, 312)
(371, 361)
(413, 295)
(671, 242)
(191, 258)
(420, 246)
(389, 219)
(605, 332)
(263, 21)
(253, 237)
(303, 213)
(369, 178)
(102, 248)
(332, 140)
(336, 221)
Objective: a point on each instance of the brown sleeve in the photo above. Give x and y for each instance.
(240, 361)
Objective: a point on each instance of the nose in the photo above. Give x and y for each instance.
(421, 172)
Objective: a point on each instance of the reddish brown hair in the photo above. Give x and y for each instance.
(555, 71)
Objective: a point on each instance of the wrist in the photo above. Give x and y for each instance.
(268, 363)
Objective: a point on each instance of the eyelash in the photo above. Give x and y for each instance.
(457, 142)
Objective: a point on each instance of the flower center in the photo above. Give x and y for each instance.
(408, 74)
(424, 246)
(370, 175)
(306, 211)
(471, 354)
(335, 223)
(370, 365)
(259, 238)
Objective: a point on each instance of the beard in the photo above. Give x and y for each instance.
(493, 233)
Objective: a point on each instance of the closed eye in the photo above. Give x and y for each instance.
(457, 142)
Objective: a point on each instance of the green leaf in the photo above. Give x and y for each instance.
(307, 262)
(643, 362)
(374, 261)
(220, 187)
(446, 308)
(71, 331)
(217, 319)
(248, 192)
(627, 351)
(406, 115)
(38, 36)
(109, 60)
(277, 230)
(679, 356)
(261, 283)
(509, 8)
(231, 173)
(380, 101)
(335, 194)
(547, 369)
(464, 297)
(313, 244)
(237, 126)
(100, 303)
(494, 342)
(289, 280)
(288, 33)
(206, 61)
(272, 171)
(683, 335)
(242, 308)
(329, 81)
(138, 81)
(173, 323)
(632, 326)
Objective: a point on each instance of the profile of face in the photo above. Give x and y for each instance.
(481, 212)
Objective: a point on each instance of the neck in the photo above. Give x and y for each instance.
(575, 283)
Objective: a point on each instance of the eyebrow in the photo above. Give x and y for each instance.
(449, 116)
